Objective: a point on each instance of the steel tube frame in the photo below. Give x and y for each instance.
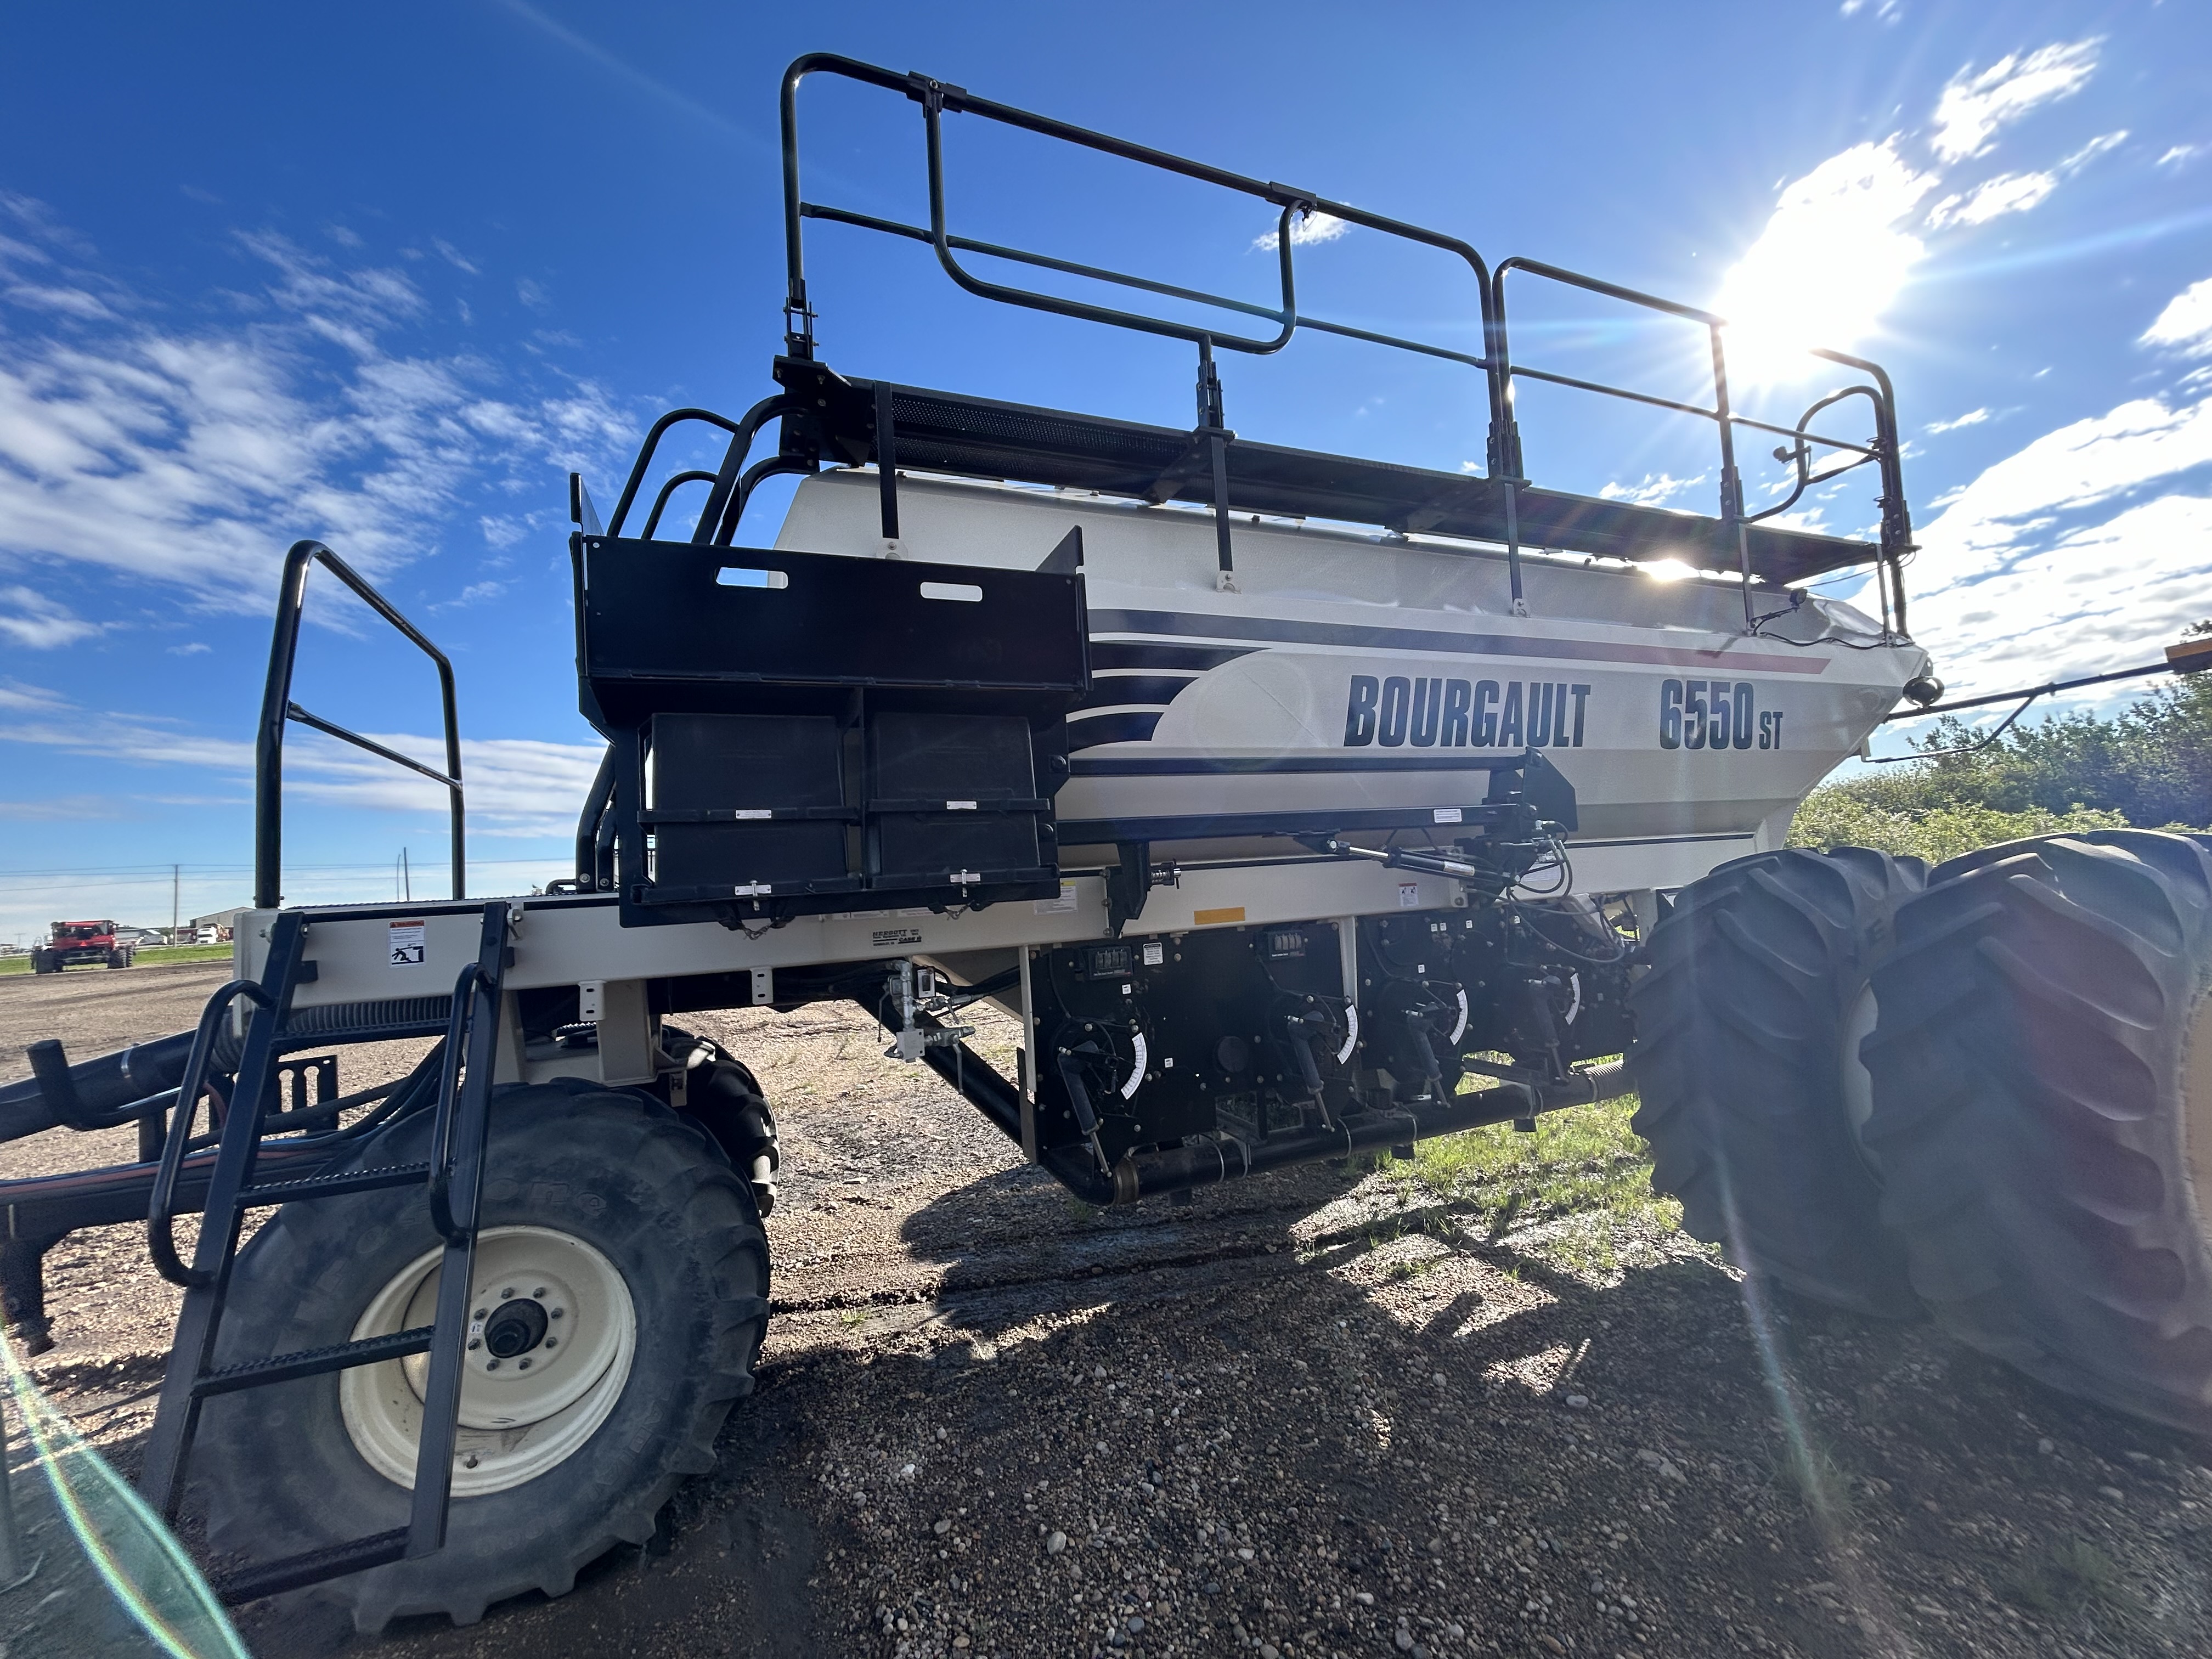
(935, 97)
(1896, 526)
(277, 709)
(1503, 448)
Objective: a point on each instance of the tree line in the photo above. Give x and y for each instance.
(2149, 765)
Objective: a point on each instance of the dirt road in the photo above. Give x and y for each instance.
(1429, 1409)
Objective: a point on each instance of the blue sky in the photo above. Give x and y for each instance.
(382, 276)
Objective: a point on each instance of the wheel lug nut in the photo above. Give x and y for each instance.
(469, 1461)
(475, 1343)
(552, 1342)
(491, 1364)
(540, 1290)
(557, 1312)
(522, 1365)
(505, 1293)
(480, 1313)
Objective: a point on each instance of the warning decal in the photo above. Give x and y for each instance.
(406, 949)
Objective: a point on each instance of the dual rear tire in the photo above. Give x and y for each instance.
(1986, 1093)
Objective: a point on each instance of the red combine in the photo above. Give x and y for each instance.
(73, 944)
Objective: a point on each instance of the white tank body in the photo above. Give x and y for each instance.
(1350, 671)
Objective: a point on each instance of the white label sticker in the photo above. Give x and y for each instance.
(1447, 815)
(406, 951)
(884, 937)
(1062, 906)
(752, 812)
(1409, 895)
(960, 806)
(1136, 1070)
(1155, 954)
(1350, 1032)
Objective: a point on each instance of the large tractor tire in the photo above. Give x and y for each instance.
(1744, 1023)
(2042, 1111)
(621, 1295)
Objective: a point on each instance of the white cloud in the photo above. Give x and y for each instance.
(1307, 230)
(1972, 417)
(2103, 143)
(60, 808)
(516, 786)
(1840, 242)
(1655, 488)
(2181, 156)
(193, 455)
(68, 302)
(2089, 548)
(33, 620)
(452, 255)
(1829, 260)
(474, 593)
(2017, 192)
(1973, 107)
(2009, 193)
(2185, 324)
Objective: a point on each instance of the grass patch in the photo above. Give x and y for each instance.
(151, 955)
(1584, 1159)
(2071, 1578)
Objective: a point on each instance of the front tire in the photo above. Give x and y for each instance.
(625, 1216)
(1743, 1025)
(2042, 1070)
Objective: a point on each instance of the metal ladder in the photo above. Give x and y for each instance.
(454, 1175)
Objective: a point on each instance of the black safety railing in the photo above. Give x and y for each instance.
(1292, 205)
(277, 709)
(733, 483)
(1896, 537)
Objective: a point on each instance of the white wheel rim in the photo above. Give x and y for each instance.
(535, 1383)
(1857, 1081)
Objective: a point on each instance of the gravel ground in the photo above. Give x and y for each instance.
(1323, 1412)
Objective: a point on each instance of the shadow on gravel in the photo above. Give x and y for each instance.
(1239, 1435)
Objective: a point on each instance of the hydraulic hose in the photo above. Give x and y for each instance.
(98, 1094)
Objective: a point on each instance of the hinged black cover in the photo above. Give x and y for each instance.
(798, 732)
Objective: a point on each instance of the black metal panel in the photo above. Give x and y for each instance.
(798, 733)
(980, 437)
(659, 633)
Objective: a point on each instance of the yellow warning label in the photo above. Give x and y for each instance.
(1215, 918)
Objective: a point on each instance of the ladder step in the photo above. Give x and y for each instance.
(244, 1584)
(329, 1186)
(314, 1362)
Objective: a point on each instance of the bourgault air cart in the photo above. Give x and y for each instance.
(1295, 804)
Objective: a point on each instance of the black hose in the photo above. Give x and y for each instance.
(107, 1090)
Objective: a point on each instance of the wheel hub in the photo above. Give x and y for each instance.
(552, 1330)
(516, 1328)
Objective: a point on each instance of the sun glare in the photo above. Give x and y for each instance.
(1830, 260)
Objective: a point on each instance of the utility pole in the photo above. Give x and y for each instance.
(406, 879)
(176, 881)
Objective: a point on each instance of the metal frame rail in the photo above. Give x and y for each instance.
(453, 1177)
(732, 483)
(277, 707)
